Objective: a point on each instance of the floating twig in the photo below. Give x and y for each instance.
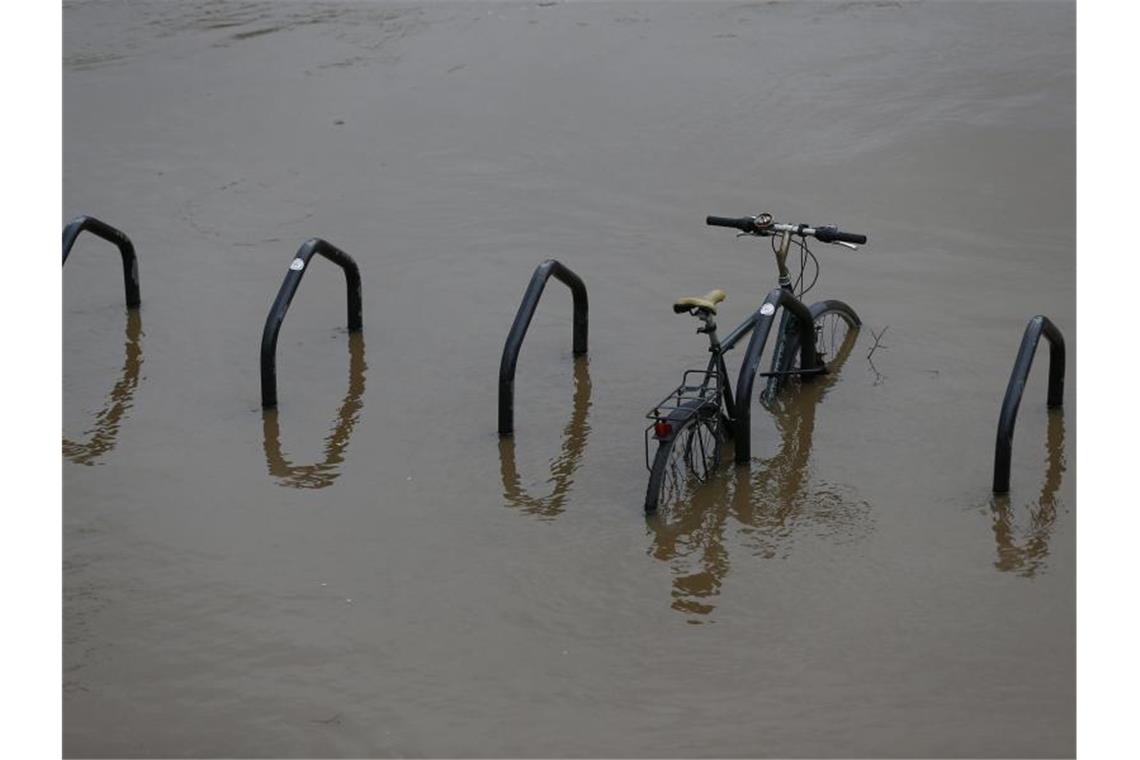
(877, 336)
(879, 377)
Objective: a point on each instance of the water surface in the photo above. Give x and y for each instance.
(368, 570)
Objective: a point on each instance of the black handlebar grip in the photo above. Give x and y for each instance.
(744, 223)
(832, 235)
(851, 237)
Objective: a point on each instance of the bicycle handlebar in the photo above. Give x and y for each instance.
(749, 225)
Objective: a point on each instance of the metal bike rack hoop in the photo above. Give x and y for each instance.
(285, 297)
(111, 235)
(510, 359)
(1003, 449)
(777, 297)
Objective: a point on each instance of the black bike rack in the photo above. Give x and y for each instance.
(325, 472)
(777, 297)
(285, 297)
(111, 235)
(1003, 450)
(510, 359)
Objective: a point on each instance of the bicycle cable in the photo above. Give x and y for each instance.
(805, 254)
(803, 266)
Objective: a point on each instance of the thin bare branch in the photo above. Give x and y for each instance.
(879, 377)
(877, 336)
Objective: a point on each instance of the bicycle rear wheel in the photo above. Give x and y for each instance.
(688, 456)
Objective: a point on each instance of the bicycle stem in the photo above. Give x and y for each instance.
(782, 258)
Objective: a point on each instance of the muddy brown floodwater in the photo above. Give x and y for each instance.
(368, 570)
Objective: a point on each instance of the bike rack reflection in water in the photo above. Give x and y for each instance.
(106, 431)
(1028, 556)
(323, 474)
(563, 466)
(768, 503)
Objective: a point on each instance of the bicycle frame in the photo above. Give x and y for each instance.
(737, 417)
(719, 348)
(694, 420)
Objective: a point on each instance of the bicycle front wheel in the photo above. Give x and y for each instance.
(687, 457)
(836, 325)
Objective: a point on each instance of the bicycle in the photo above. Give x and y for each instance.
(693, 422)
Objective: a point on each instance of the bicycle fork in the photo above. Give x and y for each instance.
(778, 372)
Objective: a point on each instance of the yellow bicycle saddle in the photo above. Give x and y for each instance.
(707, 302)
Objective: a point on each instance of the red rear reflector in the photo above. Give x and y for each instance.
(662, 428)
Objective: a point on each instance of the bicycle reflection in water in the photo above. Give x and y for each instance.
(1027, 557)
(106, 431)
(563, 466)
(772, 503)
(323, 474)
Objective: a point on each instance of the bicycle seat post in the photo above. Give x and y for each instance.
(709, 328)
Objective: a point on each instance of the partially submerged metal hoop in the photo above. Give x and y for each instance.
(285, 295)
(544, 271)
(111, 235)
(1003, 448)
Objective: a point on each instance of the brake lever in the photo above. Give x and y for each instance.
(844, 243)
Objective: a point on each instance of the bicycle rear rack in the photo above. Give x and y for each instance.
(1003, 449)
(115, 237)
(698, 387)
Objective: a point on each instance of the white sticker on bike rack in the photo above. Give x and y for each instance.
(297, 265)
(767, 310)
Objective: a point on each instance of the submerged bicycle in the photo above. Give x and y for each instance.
(693, 422)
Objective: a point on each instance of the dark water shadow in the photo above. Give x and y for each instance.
(106, 431)
(772, 501)
(322, 474)
(563, 466)
(1024, 551)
